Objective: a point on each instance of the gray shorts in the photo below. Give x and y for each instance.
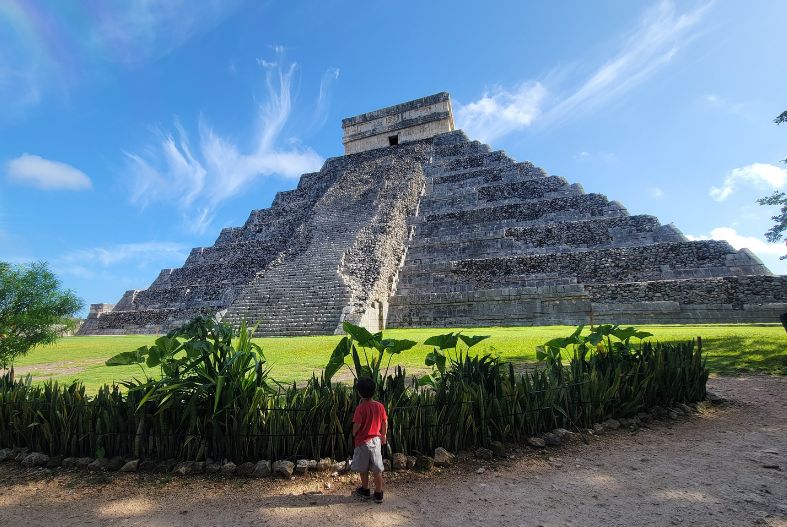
(368, 456)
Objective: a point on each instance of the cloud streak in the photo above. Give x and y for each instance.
(35, 171)
(199, 178)
(50, 48)
(661, 33)
(758, 175)
(85, 263)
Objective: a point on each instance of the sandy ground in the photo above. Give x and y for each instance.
(726, 466)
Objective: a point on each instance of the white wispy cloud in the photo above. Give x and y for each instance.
(739, 241)
(655, 192)
(717, 102)
(200, 178)
(44, 174)
(758, 175)
(499, 111)
(329, 76)
(116, 35)
(85, 263)
(663, 30)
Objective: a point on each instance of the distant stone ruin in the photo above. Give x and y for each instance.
(417, 225)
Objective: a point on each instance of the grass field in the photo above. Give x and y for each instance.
(729, 349)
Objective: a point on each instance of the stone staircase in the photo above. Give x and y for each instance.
(503, 243)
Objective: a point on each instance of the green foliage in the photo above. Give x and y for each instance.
(34, 309)
(214, 399)
(775, 233)
(439, 357)
(374, 348)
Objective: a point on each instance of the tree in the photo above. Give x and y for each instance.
(34, 309)
(774, 234)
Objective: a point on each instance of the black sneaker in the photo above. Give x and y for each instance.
(363, 493)
(378, 497)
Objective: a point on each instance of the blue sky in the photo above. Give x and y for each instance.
(131, 132)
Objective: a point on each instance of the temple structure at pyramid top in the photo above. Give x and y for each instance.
(418, 225)
(419, 119)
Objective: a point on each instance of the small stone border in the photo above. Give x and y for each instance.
(288, 469)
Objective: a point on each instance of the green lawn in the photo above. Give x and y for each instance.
(729, 349)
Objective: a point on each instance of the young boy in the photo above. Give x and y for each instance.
(370, 428)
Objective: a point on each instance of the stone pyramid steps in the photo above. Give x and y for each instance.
(500, 242)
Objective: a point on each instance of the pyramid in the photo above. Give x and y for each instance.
(417, 226)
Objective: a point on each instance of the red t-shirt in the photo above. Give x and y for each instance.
(370, 416)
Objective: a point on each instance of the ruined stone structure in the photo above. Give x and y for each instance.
(417, 225)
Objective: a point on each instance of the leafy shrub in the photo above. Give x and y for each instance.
(215, 398)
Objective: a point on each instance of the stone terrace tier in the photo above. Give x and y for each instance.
(445, 232)
(324, 252)
(498, 242)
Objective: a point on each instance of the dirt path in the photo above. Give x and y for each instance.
(704, 470)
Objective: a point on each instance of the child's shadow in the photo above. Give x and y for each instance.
(313, 500)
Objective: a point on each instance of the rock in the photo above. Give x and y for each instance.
(442, 457)
(35, 459)
(198, 467)
(69, 462)
(714, 398)
(625, 422)
(598, 429)
(563, 434)
(131, 466)
(183, 468)
(245, 470)
(301, 466)
(98, 465)
(341, 466)
(611, 424)
(424, 463)
(686, 408)
(262, 469)
(677, 410)
(324, 464)
(54, 461)
(536, 442)
(498, 449)
(484, 453)
(83, 462)
(645, 417)
(5, 454)
(166, 466)
(672, 414)
(386, 465)
(658, 412)
(147, 466)
(480, 470)
(551, 439)
(20, 454)
(411, 462)
(228, 468)
(212, 468)
(399, 461)
(312, 464)
(694, 407)
(114, 463)
(283, 468)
